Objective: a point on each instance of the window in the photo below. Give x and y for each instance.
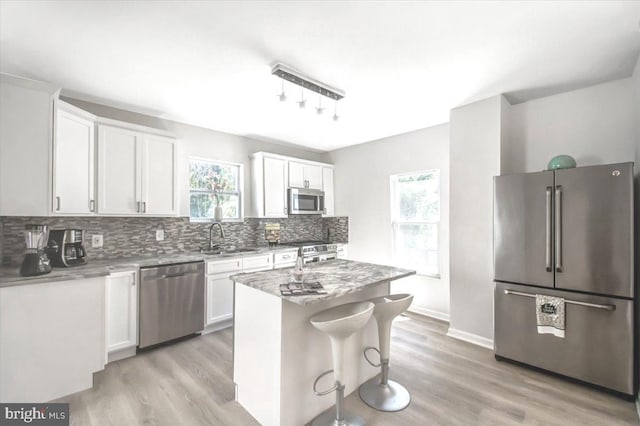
(214, 183)
(415, 216)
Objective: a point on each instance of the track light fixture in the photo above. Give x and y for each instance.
(302, 103)
(319, 109)
(299, 79)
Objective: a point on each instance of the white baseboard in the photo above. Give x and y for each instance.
(218, 326)
(471, 338)
(121, 354)
(429, 313)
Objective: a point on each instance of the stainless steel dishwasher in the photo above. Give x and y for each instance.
(171, 302)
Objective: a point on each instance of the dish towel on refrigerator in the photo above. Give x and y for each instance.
(550, 315)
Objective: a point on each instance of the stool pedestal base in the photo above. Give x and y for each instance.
(391, 396)
(328, 418)
(337, 416)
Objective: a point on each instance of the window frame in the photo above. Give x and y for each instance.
(396, 222)
(239, 192)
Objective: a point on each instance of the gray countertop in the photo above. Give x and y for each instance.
(338, 277)
(10, 276)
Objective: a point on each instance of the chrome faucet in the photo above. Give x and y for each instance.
(211, 245)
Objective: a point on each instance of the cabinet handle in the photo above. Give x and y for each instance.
(92, 205)
(57, 203)
(133, 282)
(138, 206)
(144, 207)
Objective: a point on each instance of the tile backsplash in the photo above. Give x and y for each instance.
(136, 236)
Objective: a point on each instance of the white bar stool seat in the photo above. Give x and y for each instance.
(379, 392)
(339, 322)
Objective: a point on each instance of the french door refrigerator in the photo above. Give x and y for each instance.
(567, 233)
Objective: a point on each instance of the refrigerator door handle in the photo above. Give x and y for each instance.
(548, 231)
(558, 228)
(571, 302)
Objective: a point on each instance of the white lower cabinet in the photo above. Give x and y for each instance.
(51, 339)
(219, 298)
(219, 288)
(122, 313)
(285, 260)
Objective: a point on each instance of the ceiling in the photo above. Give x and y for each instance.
(403, 65)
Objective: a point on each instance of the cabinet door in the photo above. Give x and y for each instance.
(522, 228)
(296, 174)
(313, 177)
(122, 302)
(275, 187)
(73, 164)
(158, 175)
(219, 298)
(119, 163)
(327, 187)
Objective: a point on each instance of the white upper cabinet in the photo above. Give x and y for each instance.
(269, 185)
(26, 115)
(327, 187)
(275, 187)
(73, 162)
(159, 175)
(273, 174)
(136, 173)
(119, 170)
(303, 175)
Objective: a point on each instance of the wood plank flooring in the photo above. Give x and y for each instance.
(451, 383)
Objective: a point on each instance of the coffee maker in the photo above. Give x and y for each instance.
(35, 260)
(65, 247)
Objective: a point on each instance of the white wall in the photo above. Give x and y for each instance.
(595, 125)
(205, 143)
(476, 132)
(362, 192)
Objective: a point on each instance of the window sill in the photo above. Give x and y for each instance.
(198, 220)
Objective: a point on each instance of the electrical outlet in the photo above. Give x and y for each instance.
(96, 241)
(159, 235)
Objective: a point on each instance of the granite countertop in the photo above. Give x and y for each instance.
(10, 276)
(338, 277)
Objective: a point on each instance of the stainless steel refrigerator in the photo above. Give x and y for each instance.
(567, 233)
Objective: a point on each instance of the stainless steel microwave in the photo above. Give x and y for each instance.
(306, 201)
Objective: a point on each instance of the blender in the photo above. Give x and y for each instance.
(35, 260)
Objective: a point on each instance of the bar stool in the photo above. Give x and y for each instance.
(339, 323)
(379, 392)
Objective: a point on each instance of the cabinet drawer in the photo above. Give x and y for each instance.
(286, 257)
(598, 343)
(226, 265)
(264, 261)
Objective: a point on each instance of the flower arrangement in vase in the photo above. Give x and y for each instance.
(217, 184)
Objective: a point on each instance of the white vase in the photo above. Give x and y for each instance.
(217, 213)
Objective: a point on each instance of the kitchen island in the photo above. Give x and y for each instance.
(277, 353)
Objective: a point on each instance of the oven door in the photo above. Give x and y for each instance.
(305, 201)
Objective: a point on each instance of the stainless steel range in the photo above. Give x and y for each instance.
(315, 251)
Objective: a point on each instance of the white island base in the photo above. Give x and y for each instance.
(278, 354)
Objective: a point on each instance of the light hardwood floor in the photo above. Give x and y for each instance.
(451, 383)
